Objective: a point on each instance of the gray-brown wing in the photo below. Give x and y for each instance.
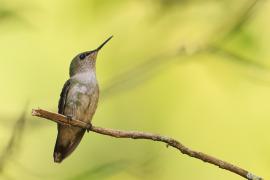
(63, 97)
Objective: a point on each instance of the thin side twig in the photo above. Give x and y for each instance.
(149, 136)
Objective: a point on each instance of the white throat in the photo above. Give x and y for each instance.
(88, 77)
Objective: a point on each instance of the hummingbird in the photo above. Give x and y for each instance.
(78, 100)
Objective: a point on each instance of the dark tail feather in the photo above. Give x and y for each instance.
(64, 147)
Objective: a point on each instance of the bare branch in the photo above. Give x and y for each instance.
(143, 135)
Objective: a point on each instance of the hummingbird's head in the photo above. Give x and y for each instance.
(85, 61)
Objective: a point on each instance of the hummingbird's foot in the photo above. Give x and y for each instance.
(89, 128)
(69, 118)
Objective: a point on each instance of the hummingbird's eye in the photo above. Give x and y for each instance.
(82, 56)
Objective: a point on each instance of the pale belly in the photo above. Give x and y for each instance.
(82, 101)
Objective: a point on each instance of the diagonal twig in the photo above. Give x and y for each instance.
(138, 74)
(243, 17)
(149, 136)
(214, 49)
(128, 79)
(14, 140)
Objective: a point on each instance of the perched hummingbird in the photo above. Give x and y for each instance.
(78, 100)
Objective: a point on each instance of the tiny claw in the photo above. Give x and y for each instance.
(89, 128)
(69, 118)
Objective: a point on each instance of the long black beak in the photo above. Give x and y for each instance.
(105, 42)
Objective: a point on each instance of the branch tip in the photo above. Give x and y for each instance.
(251, 176)
(35, 112)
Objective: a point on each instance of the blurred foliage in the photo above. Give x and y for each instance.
(194, 70)
(11, 15)
(101, 171)
(14, 141)
(5, 14)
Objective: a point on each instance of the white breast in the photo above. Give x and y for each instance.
(86, 77)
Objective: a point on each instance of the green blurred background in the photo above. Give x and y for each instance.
(194, 70)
